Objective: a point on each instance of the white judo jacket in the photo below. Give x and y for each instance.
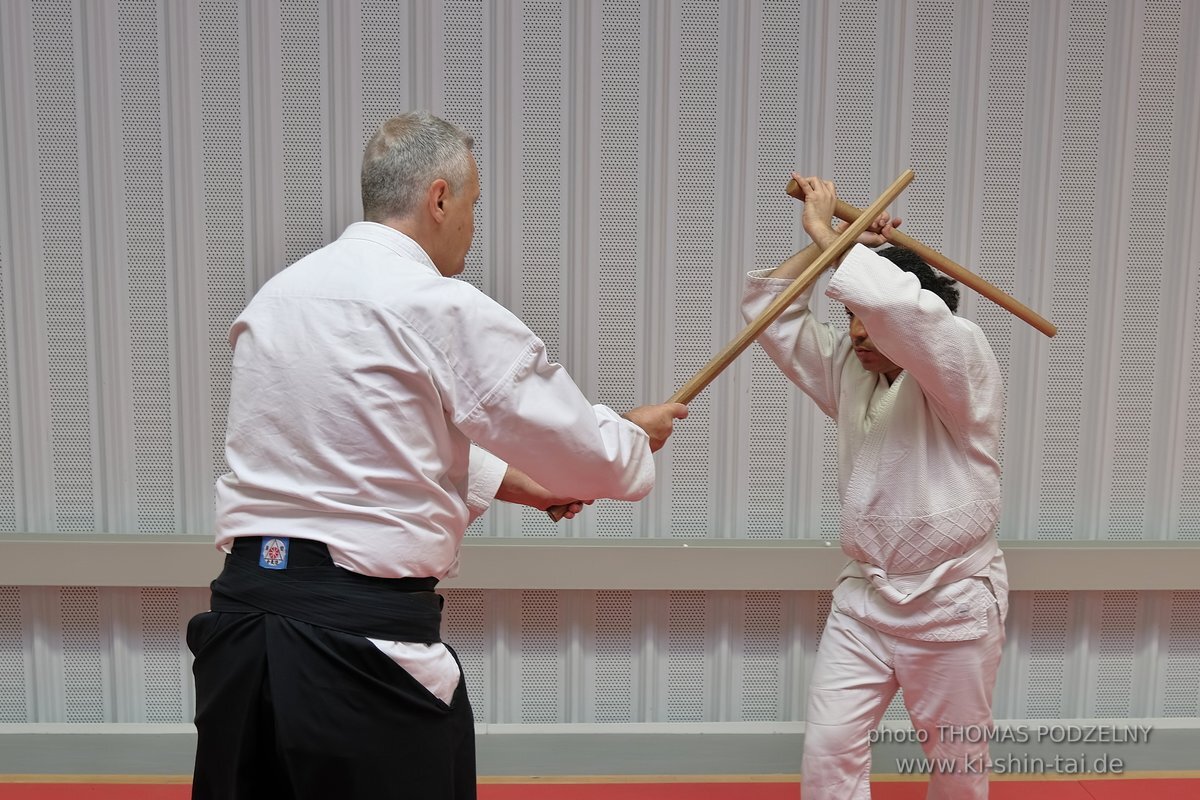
(917, 469)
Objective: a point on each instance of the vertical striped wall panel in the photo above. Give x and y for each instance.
(160, 159)
(86, 654)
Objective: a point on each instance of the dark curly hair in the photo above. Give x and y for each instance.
(935, 282)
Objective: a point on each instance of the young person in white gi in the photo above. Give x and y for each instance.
(364, 376)
(918, 399)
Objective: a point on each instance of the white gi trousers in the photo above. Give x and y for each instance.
(947, 687)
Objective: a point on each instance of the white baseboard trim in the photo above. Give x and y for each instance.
(608, 728)
(627, 749)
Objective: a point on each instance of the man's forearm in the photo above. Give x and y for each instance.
(517, 487)
(791, 269)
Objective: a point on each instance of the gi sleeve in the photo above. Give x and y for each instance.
(499, 388)
(809, 352)
(484, 475)
(948, 356)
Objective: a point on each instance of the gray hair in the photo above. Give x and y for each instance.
(404, 157)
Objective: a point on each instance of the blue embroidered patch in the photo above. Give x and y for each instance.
(274, 553)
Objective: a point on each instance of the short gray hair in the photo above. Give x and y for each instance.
(404, 157)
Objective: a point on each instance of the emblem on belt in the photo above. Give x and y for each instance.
(274, 553)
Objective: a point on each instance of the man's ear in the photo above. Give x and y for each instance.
(438, 194)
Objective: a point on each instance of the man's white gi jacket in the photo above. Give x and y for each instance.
(361, 376)
(917, 470)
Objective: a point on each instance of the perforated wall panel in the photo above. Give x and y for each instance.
(67, 279)
(688, 688)
(8, 494)
(305, 126)
(161, 159)
(385, 35)
(541, 659)
(622, 256)
(462, 44)
(1073, 189)
(1148, 181)
(694, 125)
(223, 87)
(851, 153)
(1047, 645)
(1006, 77)
(762, 644)
(645, 116)
(118, 655)
(83, 667)
(88, 655)
(856, 92)
(1116, 648)
(165, 660)
(934, 60)
(613, 689)
(543, 224)
(14, 700)
(465, 617)
(464, 96)
(1189, 482)
(778, 499)
(1181, 691)
(151, 317)
(542, 137)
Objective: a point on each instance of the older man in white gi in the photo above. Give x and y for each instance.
(362, 374)
(917, 397)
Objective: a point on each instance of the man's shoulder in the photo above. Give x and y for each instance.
(969, 325)
(359, 269)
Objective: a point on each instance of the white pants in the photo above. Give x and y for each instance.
(947, 687)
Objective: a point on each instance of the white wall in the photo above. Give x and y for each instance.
(160, 159)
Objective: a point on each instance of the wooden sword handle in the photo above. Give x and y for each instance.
(935, 259)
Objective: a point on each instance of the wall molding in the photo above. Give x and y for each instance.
(179, 560)
(647, 750)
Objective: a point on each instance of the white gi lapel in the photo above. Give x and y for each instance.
(875, 418)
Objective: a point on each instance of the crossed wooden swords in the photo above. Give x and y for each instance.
(859, 221)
